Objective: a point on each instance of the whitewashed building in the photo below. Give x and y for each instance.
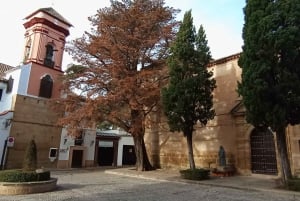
(96, 148)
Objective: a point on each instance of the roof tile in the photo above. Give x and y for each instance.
(4, 68)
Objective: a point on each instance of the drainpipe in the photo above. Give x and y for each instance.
(3, 154)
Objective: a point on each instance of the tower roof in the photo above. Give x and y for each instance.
(50, 11)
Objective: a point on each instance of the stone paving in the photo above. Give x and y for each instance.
(126, 184)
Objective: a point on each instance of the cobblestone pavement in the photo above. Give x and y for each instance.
(92, 185)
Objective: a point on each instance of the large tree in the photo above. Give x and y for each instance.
(122, 59)
(270, 65)
(188, 97)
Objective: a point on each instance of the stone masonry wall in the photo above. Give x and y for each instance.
(33, 120)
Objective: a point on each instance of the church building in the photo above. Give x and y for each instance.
(25, 91)
(248, 150)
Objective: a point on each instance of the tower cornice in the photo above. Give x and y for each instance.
(37, 20)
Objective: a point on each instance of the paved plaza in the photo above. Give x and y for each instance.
(126, 184)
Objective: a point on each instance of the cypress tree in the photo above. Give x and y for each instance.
(270, 65)
(30, 159)
(188, 97)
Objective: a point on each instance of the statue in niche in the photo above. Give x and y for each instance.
(222, 157)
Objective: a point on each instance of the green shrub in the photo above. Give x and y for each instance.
(197, 174)
(23, 176)
(294, 184)
(43, 176)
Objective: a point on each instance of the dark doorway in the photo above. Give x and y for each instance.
(129, 157)
(77, 158)
(105, 156)
(263, 154)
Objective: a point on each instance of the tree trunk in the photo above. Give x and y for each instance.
(138, 131)
(189, 140)
(142, 160)
(282, 150)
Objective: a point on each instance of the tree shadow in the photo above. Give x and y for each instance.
(65, 187)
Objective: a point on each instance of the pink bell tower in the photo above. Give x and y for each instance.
(45, 35)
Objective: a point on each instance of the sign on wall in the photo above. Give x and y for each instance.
(10, 141)
(106, 143)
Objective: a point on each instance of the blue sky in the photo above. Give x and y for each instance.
(222, 20)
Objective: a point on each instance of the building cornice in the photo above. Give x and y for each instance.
(224, 60)
(37, 20)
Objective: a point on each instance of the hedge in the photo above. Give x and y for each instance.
(196, 174)
(23, 176)
(294, 184)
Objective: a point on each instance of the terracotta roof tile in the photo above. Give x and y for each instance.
(4, 68)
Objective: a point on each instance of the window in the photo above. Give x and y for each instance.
(10, 84)
(79, 140)
(46, 87)
(1, 91)
(49, 57)
(52, 152)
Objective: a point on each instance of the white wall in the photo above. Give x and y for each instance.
(66, 141)
(124, 140)
(24, 79)
(20, 85)
(4, 130)
(6, 100)
(64, 147)
(89, 143)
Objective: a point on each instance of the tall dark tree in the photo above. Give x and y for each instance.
(30, 157)
(188, 97)
(270, 65)
(122, 61)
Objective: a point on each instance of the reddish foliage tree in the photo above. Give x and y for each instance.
(123, 64)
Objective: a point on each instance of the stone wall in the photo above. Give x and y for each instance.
(168, 149)
(32, 120)
(293, 133)
(229, 129)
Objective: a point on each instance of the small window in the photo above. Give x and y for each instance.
(1, 91)
(79, 140)
(10, 85)
(52, 152)
(46, 87)
(49, 57)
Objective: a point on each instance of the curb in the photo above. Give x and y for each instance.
(21, 188)
(185, 181)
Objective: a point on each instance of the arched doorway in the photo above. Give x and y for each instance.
(263, 154)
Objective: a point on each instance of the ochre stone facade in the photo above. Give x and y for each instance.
(228, 129)
(32, 120)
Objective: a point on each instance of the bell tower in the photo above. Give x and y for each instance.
(46, 31)
(45, 35)
(33, 85)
